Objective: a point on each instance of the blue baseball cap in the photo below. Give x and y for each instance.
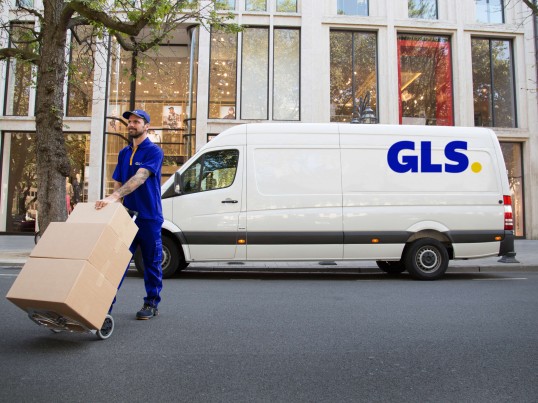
(137, 112)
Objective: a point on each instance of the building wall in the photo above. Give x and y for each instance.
(316, 19)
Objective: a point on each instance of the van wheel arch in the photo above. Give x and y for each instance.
(173, 257)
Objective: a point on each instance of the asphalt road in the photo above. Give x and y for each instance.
(289, 338)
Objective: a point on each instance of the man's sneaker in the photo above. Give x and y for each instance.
(147, 312)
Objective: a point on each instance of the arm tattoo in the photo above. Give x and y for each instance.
(132, 184)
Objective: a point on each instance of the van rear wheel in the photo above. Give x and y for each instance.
(426, 259)
(391, 267)
(173, 259)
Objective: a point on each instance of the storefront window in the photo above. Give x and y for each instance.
(490, 11)
(426, 9)
(286, 74)
(19, 72)
(22, 186)
(80, 85)
(255, 74)
(493, 83)
(353, 72)
(222, 75)
(286, 6)
(256, 5)
(162, 85)
(352, 7)
(514, 165)
(425, 80)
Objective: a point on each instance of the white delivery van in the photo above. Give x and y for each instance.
(409, 197)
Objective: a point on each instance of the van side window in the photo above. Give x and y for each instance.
(213, 170)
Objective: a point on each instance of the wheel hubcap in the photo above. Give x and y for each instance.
(428, 259)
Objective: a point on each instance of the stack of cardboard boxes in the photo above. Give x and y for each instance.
(75, 269)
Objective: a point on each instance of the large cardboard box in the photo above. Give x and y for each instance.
(96, 243)
(70, 288)
(113, 214)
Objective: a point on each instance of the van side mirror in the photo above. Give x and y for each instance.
(178, 186)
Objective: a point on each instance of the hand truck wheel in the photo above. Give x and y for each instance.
(108, 327)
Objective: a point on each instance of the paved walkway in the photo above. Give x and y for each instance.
(14, 250)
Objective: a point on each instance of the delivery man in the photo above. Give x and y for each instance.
(137, 180)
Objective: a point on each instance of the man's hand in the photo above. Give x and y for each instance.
(113, 198)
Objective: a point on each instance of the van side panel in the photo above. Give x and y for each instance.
(400, 183)
(294, 201)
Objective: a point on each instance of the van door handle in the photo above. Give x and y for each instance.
(228, 200)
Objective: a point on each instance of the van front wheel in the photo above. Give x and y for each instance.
(173, 259)
(426, 259)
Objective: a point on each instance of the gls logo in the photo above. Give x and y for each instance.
(407, 162)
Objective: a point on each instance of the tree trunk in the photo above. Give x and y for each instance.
(51, 154)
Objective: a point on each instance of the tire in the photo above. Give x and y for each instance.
(426, 259)
(173, 259)
(391, 267)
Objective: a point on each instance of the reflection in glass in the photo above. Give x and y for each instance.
(425, 79)
(80, 73)
(426, 9)
(256, 5)
(352, 7)
(286, 80)
(286, 6)
(490, 11)
(19, 72)
(493, 85)
(22, 186)
(255, 73)
(225, 4)
(514, 165)
(222, 74)
(353, 72)
(213, 170)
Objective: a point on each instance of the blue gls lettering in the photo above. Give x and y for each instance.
(410, 163)
(462, 162)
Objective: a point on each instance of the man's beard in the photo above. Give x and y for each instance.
(134, 134)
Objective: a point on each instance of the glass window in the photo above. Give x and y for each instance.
(426, 9)
(222, 74)
(161, 86)
(490, 11)
(80, 84)
(425, 80)
(352, 7)
(255, 74)
(22, 185)
(493, 83)
(353, 72)
(256, 5)
(286, 74)
(19, 72)
(213, 170)
(286, 6)
(513, 158)
(225, 4)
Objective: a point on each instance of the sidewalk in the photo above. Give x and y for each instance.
(14, 250)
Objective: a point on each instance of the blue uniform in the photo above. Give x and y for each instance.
(146, 200)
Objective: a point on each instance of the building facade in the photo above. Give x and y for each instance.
(417, 62)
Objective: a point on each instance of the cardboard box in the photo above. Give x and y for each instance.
(113, 214)
(71, 288)
(96, 243)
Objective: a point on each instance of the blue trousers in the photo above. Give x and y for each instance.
(149, 239)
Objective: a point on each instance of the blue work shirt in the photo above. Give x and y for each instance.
(147, 198)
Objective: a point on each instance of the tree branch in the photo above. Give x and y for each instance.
(20, 54)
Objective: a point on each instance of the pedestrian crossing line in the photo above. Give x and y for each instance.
(9, 275)
(500, 279)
